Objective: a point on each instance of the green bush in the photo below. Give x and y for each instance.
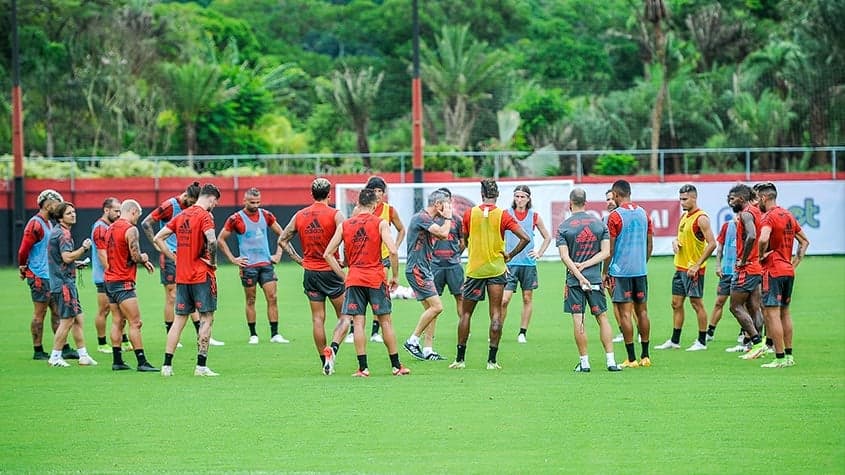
(615, 164)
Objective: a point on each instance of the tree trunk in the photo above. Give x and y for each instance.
(48, 126)
(364, 145)
(818, 131)
(190, 141)
(657, 112)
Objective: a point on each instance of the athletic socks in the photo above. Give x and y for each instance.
(769, 342)
(414, 340)
(167, 326)
(522, 331)
(251, 327)
(197, 327)
(140, 356)
(427, 351)
(610, 358)
(38, 349)
(702, 338)
(376, 326)
(274, 329)
(82, 351)
(335, 347)
(201, 359)
(168, 359)
(125, 338)
(394, 360)
(116, 355)
(491, 354)
(676, 336)
(787, 351)
(101, 340)
(711, 330)
(585, 361)
(629, 348)
(362, 362)
(462, 350)
(55, 354)
(644, 345)
(756, 339)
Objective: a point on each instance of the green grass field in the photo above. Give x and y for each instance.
(272, 410)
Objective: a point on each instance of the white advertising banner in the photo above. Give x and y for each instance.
(817, 205)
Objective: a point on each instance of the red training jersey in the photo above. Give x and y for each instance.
(235, 223)
(784, 227)
(122, 267)
(316, 226)
(164, 212)
(508, 221)
(32, 233)
(191, 246)
(362, 246)
(752, 266)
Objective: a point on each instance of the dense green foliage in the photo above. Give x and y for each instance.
(220, 77)
(272, 411)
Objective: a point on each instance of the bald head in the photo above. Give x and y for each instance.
(578, 197)
(130, 210)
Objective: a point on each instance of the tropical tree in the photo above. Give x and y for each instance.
(460, 71)
(195, 88)
(353, 94)
(762, 122)
(655, 13)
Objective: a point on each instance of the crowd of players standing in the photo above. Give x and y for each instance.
(754, 259)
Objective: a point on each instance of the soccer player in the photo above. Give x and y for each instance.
(448, 272)
(61, 261)
(611, 205)
(362, 236)
(748, 273)
(631, 243)
(388, 213)
(692, 248)
(725, 262)
(584, 243)
(196, 283)
(484, 238)
(423, 231)
(32, 265)
(166, 211)
(779, 232)
(522, 269)
(111, 211)
(250, 225)
(123, 256)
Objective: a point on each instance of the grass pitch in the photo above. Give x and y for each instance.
(272, 410)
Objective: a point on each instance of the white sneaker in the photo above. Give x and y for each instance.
(709, 337)
(253, 340)
(213, 342)
(492, 365)
(376, 338)
(740, 348)
(278, 338)
(178, 344)
(87, 361)
(350, 338)
(697, 346)
(167, 371)
(58, 362)
(741, 337)
(521, 338)
(618, 338)
(204, 371)
(458, 365)
(668, 345)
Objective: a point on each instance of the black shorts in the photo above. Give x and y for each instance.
(685, 286)
(200, 297)
(250, 276)
(67, 302)
(476, 289)
(525, 276)
(422, 283)
(724, 287)
(386, 262)
(777, 291)
(452, 276)
(357, 298)
(575, 300)
(167, 270)
(743, 282)
(120, 291)
(101, 287)
(39, 289)
(629, 289)
(319, 284)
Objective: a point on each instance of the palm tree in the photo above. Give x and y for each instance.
(354, 93)
(194, 88)
(460, 72)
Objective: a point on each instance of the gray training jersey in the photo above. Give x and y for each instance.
(447, 252)
(583, 233)
(420, 243)
(61, 273)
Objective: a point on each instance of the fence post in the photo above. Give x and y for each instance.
(402, 166)
(317, 167)
(833, 159)
(747, 165)
(662, 170)
(579, 167)
(495, 166)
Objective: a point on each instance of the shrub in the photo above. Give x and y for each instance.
(615, 164)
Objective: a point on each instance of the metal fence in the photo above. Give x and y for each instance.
(498, 164)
